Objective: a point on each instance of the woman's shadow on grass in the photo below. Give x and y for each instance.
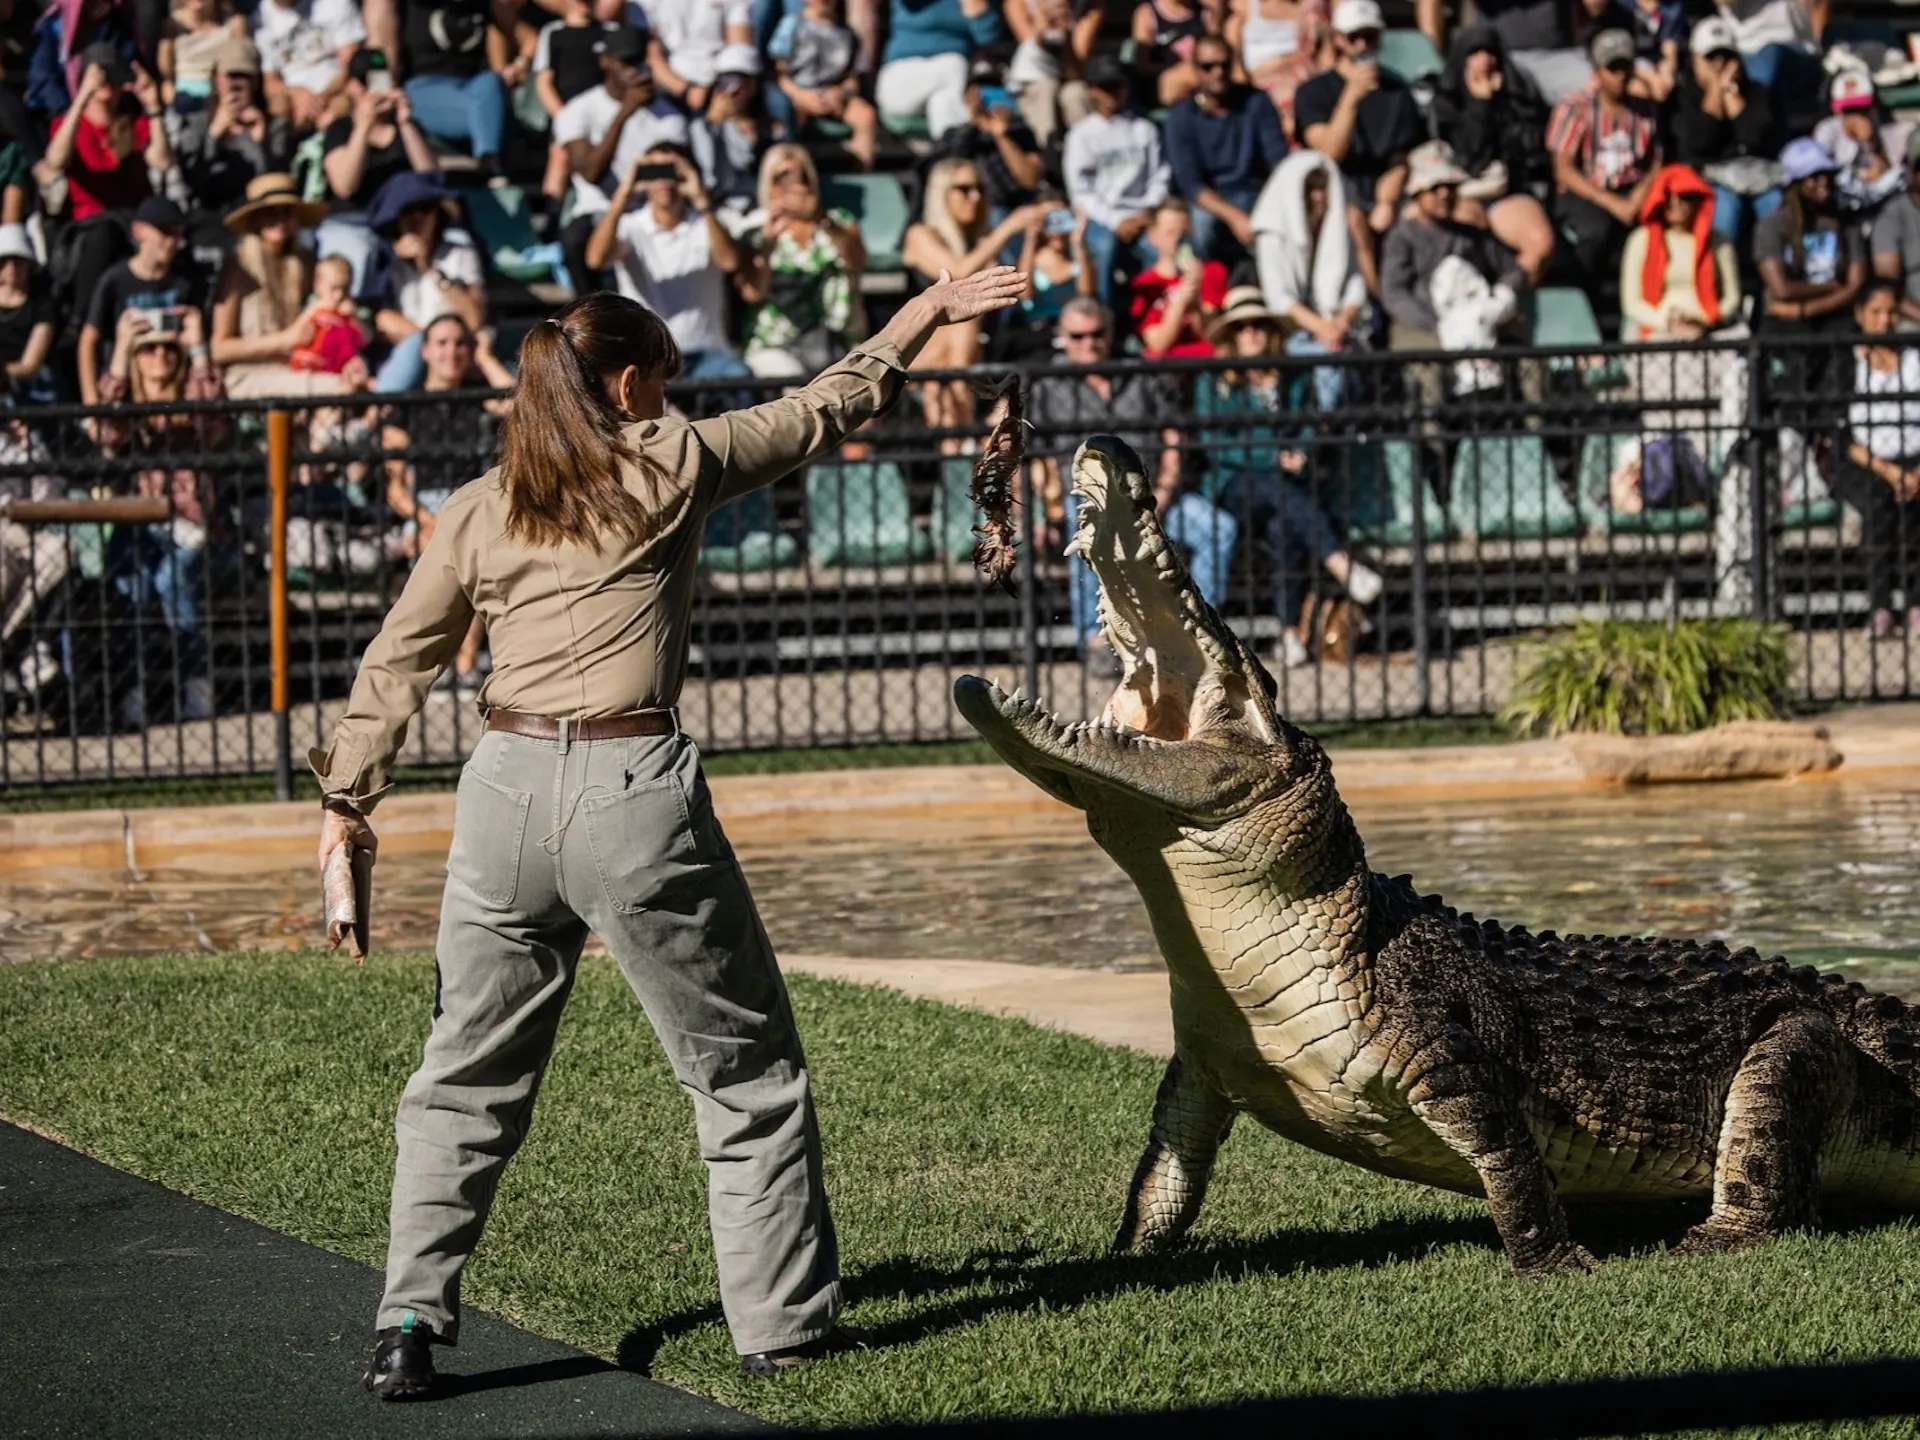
(1017, 1280)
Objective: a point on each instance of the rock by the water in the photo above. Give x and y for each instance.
(1739, 750)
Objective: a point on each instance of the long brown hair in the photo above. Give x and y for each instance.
(561, 450)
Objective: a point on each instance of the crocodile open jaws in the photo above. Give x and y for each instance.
(1346, 1011)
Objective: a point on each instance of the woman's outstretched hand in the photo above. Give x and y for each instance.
(981, 293)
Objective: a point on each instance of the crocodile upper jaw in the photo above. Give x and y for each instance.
(1191, 726)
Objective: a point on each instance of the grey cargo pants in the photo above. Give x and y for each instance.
(617, 836)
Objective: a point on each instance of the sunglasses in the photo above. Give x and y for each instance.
(1076, 336)
(1620, 67)
(1209, 67)
(792, 177)
(968, 189)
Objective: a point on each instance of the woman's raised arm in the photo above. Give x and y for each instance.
(760, 445)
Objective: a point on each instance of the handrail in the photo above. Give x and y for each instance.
(117, 510)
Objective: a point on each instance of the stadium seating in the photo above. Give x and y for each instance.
(858, 513)
(1504, 489)
(1396, 528)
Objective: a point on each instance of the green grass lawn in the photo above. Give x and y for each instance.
(977, 1168)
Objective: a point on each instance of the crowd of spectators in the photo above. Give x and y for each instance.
(307, 197)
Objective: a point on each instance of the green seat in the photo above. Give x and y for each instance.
(1396, 526)
(1814, 512)
(743, 538)
(878, 203)
(1504, 489)
(1410, 55)
(1563, 319)
(907, 127)
(1598, 455)
(954, 513)
(858, 514)
(503, 224)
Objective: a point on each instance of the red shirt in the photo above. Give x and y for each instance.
(95, 180)
(1149, 304)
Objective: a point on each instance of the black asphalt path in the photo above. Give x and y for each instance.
(129, 1310)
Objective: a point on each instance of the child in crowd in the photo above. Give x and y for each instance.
(814, 55)
(338, 335)
(189, 43)
(565, 64)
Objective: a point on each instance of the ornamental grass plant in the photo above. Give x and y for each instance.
(1644, 677)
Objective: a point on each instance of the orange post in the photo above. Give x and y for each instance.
(279, 481)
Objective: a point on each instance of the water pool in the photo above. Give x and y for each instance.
(1823, 871)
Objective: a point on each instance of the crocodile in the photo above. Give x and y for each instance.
(1347, 1011)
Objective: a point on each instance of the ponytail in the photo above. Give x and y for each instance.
(561, 451)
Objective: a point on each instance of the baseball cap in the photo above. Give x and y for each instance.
(1105, 72)
(1612, 47)
(1431, 164)
(15, 244)
(1350, 17)
(1713, 36)
(159, 212)
(1804, 157)
(623, 43)
(737, 59)
(364, 61)
(1851, 90)
(107, 57)
(237, 55)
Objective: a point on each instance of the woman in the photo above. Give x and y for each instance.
(1053, 257)
(580, 552)
(376, 140)
(1279, 43)
(1723, 127)
(1173, 297)
(1494, 118)
(1309, 274)
(260, 303)
(1813, 266)
(162, 568)
(228, 142)
(923, 69)
(426, 273)
(952, 235)
(1257, 481)
(1879, 470)
(801, 278)
(1678, 278)
(1164, 32)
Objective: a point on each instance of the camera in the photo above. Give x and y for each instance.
(650, 173)
(1061, 221)
(380, 82)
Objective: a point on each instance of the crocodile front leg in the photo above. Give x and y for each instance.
(1190, 1119)
(1472, 1102)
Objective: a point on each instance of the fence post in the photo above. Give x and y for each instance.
(279, 479)
(1422, 620)
(1759, 506)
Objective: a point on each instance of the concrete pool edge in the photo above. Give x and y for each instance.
(1875, 740)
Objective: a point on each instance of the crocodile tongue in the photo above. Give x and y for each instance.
(1172, 646)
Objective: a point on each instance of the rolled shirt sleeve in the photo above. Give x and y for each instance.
(422, 632)
(758, 446)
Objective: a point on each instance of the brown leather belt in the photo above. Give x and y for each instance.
(604, 727)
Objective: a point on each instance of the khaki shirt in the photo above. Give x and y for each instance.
(578, 632)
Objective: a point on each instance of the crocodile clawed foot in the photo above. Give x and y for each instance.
(1566, 1258)
(1717, 1237)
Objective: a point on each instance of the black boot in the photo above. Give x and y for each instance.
(835, 1341)
(402, 1365)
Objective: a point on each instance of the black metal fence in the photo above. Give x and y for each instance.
(1395, 530)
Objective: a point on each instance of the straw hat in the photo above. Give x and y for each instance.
(1243, 305)
(274, 191)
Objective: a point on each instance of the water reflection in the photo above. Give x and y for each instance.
(1823, 872)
